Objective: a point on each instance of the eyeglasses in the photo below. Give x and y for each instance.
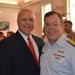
(54, 24)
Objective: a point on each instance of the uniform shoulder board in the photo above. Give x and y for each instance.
(71, 42)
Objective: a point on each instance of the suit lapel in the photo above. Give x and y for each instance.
(25, 49)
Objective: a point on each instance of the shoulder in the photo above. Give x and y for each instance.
(71, 42)
(72, 33)
(11, 39)
(34, 36)
(38, 39)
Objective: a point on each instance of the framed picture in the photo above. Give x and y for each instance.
(4, 25)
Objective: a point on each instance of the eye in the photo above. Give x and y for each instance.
(65, 25)
(30, 19)
(24, 19)
(47, 24)
(55, 24)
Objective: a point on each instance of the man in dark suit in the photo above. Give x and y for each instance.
(15, 55)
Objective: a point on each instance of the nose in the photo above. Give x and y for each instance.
(51, 26)
(27, 21)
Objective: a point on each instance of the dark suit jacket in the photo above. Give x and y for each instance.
(16, 58)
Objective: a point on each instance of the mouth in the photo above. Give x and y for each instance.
(27, 26)
(51, 32)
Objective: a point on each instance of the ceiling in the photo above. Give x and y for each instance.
(17, 3)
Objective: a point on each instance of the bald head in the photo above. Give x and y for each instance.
(25, 21)
(23, 11)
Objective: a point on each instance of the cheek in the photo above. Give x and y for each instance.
(19, 23)
(32, 26)
(45, 31)
(61, 31)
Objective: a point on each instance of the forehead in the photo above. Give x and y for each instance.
(53, 18)
(26, 14)
(66, 23)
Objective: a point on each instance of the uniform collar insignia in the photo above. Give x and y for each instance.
(71, 42)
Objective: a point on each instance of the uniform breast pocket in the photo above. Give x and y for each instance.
(59, 58)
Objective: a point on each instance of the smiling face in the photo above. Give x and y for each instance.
(53, 28)
(26, 21)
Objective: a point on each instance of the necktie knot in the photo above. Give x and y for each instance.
(28, 38)
(30, 43)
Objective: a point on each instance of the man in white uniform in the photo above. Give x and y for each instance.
(58, 53)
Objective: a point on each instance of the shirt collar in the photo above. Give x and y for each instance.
(24, 36)
(61, 41)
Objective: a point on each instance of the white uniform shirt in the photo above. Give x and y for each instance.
(58, 59)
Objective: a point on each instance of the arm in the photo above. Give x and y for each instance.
(5, 60)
